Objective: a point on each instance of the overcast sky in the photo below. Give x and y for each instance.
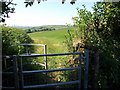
(50, 12)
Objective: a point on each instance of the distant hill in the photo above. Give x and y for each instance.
(56, 26)
(45, 28)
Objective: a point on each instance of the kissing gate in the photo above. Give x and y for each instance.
(18, 74)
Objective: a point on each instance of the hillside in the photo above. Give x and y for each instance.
(53, 39)
(45, 28)
(57, 27)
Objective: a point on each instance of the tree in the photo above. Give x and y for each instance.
(101, 32)
(5, 9)
(106, 25)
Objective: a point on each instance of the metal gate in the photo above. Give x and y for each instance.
(18, 72)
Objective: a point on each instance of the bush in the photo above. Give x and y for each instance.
(101, 33)
(11, 38)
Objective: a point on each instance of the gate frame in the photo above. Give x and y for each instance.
(16, 72)
(45, 51)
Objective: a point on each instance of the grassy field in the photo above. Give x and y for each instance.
(53, 39)
(55, 44)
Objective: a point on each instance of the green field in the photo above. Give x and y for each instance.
(55, 44)
(53, 39)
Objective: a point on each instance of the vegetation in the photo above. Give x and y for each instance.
(57, 27)
(6, 7)
(55, 44)
(45, 28)
(97, 30)
(100, 34)
(38, 29)
(30, 3)
(107, 24)
(11, 39)
(52, 39)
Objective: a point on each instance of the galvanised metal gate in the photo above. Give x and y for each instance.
(19, 74)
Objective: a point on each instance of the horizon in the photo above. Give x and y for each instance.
(38, 26)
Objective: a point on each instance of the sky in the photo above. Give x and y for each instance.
(50, 12)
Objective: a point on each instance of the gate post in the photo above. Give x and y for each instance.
(96, 68)
(15, 70)
(45, 57)
(79, 72)
(21, 75)
(86, 68)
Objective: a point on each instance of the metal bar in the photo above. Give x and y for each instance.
(8, 87)
(45, 57)
(5, 63)
(53, 84)
(38, 55)
(15, 69)
(45, 60)
(7, 69)
(25, 44)
(46, 71)
(21, 74)
(86, 68)
(7, 73)
(79, 72)
(40, 64)
(40, 71)
(45, 51)
(33, 63)
(7, 57)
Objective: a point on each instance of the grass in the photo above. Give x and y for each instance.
(53, 39)
(55, 44)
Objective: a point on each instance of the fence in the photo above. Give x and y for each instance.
(19, 73)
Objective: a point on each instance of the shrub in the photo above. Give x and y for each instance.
(11, 38)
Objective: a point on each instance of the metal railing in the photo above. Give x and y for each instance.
(19, 74)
